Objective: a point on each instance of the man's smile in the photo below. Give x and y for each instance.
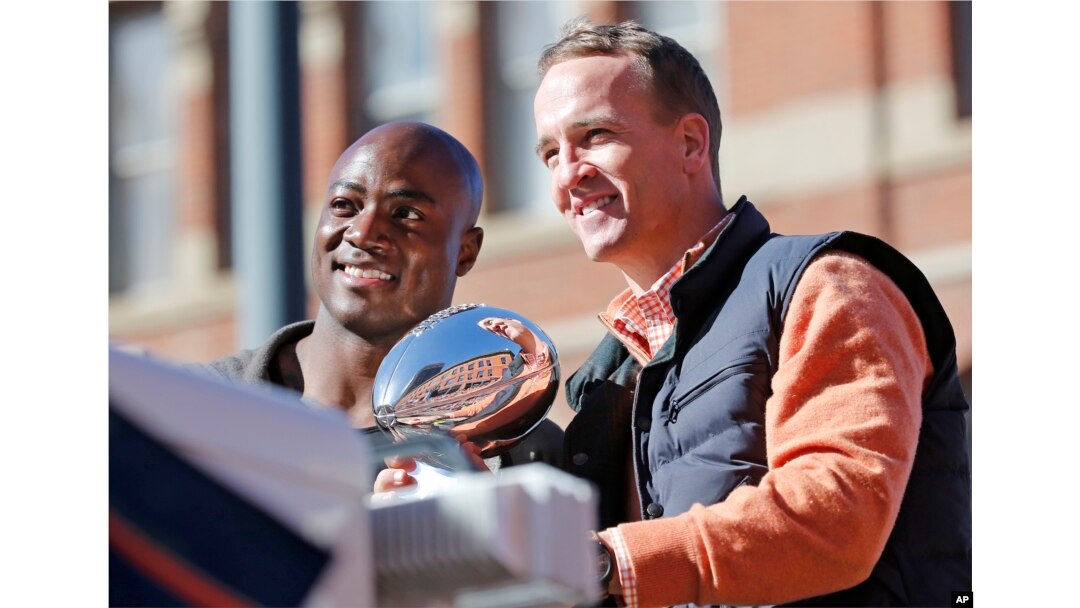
(593, 205)
(364, 275)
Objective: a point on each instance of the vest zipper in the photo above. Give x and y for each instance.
(678, 403)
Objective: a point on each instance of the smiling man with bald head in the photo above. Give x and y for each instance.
(396, 230)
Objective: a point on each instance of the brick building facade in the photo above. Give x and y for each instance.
(836, 115)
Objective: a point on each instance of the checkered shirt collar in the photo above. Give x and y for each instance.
(644, 322)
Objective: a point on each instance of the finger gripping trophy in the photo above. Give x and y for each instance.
(474, 372)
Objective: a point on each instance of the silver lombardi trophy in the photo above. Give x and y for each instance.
(474, 372)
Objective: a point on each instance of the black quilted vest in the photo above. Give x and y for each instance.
(730, 308)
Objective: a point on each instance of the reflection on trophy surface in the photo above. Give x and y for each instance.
(475, 372)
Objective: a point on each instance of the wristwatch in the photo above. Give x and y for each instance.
(605, 566)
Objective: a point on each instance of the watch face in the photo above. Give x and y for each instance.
(603, 565)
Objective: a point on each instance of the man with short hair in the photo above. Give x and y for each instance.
(771, 419)
(396, 230)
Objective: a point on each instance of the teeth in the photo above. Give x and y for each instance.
(365, 273)
(597, 204)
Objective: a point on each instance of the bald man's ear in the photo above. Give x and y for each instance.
(470, 249)
(693, 134)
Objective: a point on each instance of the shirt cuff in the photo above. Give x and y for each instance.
(627, 576)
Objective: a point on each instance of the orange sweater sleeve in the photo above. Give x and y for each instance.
(841, 429)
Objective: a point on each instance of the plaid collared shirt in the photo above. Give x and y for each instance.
(644, 322)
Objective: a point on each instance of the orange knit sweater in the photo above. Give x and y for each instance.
(841, 430)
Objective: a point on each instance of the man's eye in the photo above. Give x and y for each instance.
(408, 213)
(549, 156)
(593, 134)
(341, 204)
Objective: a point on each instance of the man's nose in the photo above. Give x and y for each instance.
(366, 231)
(571, 170)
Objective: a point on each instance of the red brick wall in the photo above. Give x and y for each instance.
(551, 284)
(785, 50)
(198, 162)
(202, 340)
(463, 110)
(322, 104)
(917, 40)
(956, 300)
(932, 209)
(854, 207)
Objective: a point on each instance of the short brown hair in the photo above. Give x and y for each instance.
(677, 79)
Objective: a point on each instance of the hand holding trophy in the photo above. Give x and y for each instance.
(473, 373)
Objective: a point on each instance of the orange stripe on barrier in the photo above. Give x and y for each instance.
(181, 579)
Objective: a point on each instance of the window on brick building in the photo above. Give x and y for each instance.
(155, 52)
(695, 25)
(142, 143)
(516, 33)
(395, 58)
